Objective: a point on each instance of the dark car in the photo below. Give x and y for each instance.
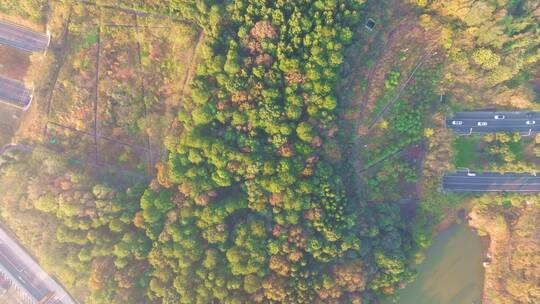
(370, 24)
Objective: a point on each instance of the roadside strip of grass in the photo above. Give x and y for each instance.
(465, 155)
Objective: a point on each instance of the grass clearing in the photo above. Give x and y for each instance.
(495, 153)
(465, 151)
(9, 120)
(517, 148)
(145, 65)
(13, 63)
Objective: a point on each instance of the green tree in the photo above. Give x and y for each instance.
(305, 131)
(486, 59)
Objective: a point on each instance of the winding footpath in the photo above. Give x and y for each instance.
(15, 147)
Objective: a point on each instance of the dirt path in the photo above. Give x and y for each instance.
(26, 148)
(404, 27)
(398, 152)
(132, 146)
(193, 63)
(134, 26)
(136, 12)
(15, 147)
(114, 141)
(62, 58)
(96, 90)
(143, 92)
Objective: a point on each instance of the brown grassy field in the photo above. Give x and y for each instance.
(13, 63)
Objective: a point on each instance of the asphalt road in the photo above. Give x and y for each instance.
(22, 38)
(14, 93)
(17, 270)
(467, 122)
(491, 182)
(28, 273)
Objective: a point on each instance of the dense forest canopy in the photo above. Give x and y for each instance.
(81, 229)
(246, 208)
(251, 210)
(492, 46)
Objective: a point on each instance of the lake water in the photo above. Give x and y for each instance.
(452, 272)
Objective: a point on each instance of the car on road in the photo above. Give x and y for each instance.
(499, 116)
(457, 122)
(471, 174)
(482, 123)
(370, 24)
(22, 279)
(530, 122)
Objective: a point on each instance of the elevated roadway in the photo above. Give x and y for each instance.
(491, 182)
(14, 93)
(29, 279)
(23, 38)
(491, 122)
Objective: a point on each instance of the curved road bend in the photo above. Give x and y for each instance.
(15, 147)
(468, 122)
(22, 38)
(491, 182)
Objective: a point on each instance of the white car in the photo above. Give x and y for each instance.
(530, 122)
(457, 122)
(471, 174)
(499, 116)
(482, 123)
